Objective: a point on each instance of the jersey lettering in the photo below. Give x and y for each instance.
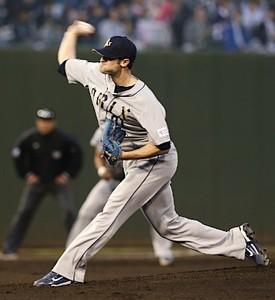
(113, 107)
(101, 98)
(93, 91)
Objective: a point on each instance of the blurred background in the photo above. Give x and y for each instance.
(185, 25)
(211, 63)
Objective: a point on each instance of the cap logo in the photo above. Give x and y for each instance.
(108, 43)
(43, 114)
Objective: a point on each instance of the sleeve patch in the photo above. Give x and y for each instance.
(163, 132)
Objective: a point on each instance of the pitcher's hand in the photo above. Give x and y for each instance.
(81, 28)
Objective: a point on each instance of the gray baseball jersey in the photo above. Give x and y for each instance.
(128, 107)
(147, 184)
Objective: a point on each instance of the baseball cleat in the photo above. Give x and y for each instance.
(166, 261)
(253, 249)
(8, 256)
(52, 279)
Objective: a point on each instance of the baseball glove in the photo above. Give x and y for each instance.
(113, 135)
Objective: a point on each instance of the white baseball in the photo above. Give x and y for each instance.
(86, 26)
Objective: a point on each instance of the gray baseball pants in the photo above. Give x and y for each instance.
(95, 203)
(147, 186)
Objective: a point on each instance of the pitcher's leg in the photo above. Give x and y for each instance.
(162, 248)
(93, 204)
(190, 233)
(138, 187)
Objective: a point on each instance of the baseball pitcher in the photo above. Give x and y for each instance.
(135, 131)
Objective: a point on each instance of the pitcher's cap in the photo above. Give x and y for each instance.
(118, 47)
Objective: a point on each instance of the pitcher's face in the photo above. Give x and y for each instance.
(109, 65)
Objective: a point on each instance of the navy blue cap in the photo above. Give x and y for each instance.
(118, 47)
(45, 114)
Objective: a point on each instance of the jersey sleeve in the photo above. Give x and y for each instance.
(81, 71)
(152, 119)
(157, 129)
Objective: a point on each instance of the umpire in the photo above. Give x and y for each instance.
(46, 158)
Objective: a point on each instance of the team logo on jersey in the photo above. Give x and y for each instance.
(35, 145)
(56, 154)
(108, 43)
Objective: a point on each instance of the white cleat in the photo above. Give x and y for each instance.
(166, 261)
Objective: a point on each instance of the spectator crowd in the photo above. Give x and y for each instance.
(186, 25)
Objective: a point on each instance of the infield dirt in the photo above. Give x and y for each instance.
(191, 277)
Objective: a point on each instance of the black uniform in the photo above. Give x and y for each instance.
(46, 156)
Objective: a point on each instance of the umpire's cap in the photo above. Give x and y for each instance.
(118, 47)
(45, 114)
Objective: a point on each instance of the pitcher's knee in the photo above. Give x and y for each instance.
(167, 227)
(177, 227)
